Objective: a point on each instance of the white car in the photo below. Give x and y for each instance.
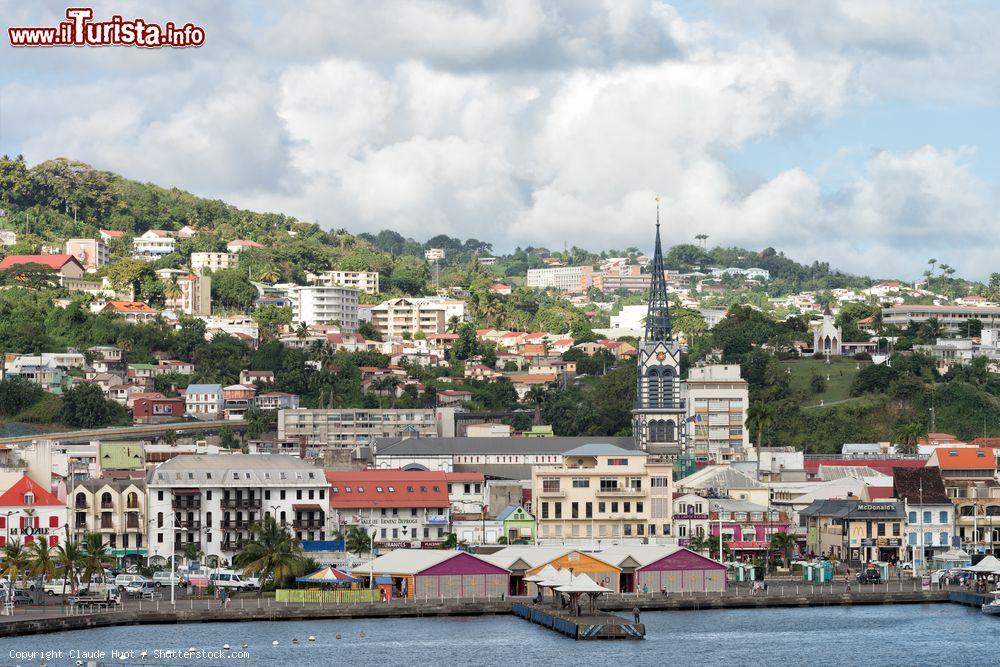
(232, 581)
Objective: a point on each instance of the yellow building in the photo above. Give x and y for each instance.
(604, 494)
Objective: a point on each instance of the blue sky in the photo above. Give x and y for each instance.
(858, 132)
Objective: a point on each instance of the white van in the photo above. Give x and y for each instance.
(231, 580)
(123, 580)
(164, 578)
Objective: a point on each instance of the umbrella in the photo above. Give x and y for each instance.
(327, 575)
(546, 572)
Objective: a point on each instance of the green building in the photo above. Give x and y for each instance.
(518, 525)
(121, 456)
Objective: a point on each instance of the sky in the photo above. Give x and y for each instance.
(862, 133)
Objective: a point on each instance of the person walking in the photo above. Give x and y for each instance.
(847, 582)
(635, 613)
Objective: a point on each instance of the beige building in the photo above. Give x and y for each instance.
(213, 261)
(114, 508)
(91, 253)
(563, 278)
(396, 317)
(604, 493)
(194, 295)
(351, 426)
(363, 281)
(717, 399)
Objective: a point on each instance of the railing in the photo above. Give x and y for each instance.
(307, 523)
(621, 491)
(236, 524)
(233, 546)
(189, 523)
(186, 504)
(241, 503)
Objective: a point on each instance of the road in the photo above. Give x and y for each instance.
(118, 432)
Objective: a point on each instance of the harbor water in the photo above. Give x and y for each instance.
(869, 635)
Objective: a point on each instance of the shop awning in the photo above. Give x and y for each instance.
(306, 507)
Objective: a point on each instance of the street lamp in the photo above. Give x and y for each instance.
(718, 507)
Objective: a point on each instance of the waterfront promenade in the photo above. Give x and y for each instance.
(55, 617)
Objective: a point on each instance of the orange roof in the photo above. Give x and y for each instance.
(965, 458)
(55, 262)
(985, 442)
(113, 233)
(129, 307)
(533, 378)
(14, 496)
(243, 243)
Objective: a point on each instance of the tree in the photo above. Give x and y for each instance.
(232, 289)
(135, 276)
(760, 417)
(409, 275)
(270, 318)
(369, 332)
(258, 422)
(227, 439)
(356, 540)
(817, 383)
(451, 541)
(16, 562)
(95, 555)
(908, 437)
(467, 344)
(84, 406)
(536, 395)
(784, 544)
(42, 559)
(71, 560)
(272, 555)
(875, 378)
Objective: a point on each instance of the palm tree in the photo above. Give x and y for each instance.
(784, 544)
(302, 331)
(95, 556)
(453, 323)
(356, 540)
(42, 561)
(172, 290)
(272, 555)
(15, 561)
(760, 417)
(537, 396)
(451, 541)
(908, 437)
(71, 559)
(270, 275)
(698, 543)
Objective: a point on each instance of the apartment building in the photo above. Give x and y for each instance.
(212, 501)
(950, 317)
(328, 305)
(351, 426)
(397, 317)
(91, 253)
(929, 512)
(193, 297)
(970, 480)
(717, 399)
(563, 278)
(213, 261)
(204, 401)
(116, 510)
(29, 512)
(602, 492)
(363, 281)
(403, 508)
(153, 244)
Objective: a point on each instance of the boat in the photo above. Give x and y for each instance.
(993, 607)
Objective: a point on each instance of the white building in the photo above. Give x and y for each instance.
(153, 244)
(355, 425)
(717, 400)
(563, 278)
(213, 261)
(630, 317)
(363, 281)
(327, 305)
(203, 401)
(434, 254)
(827, 336)
(212, 501)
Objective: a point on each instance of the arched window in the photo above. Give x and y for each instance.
(81, 500)
(159, 519)
(653, 387)
(668, 387)
(132, 500)
(106, 500)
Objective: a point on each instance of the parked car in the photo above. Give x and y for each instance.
(22, 597)
(123, 580)
(232, 581)
(140, 588)
(163, 578)
(869, 577)
(58, 587)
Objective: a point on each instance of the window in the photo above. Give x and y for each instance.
(298, 493)
(943, 518)
(332, 490)
(943, 537)
(628, 528)
(881, 530)
(640, 529)
(282, 494)
(208, 495)
(53, 522)
(361, 489)
(609, 484)
(638, 507)
(617, 462)
(545, 510)
(29, 498)
(627, 506)
(895, 530)
(574, 510)
(658, 482)
(928, 538)
(550, 484)
(913, 518)
(614, 508)
(581, 483)
(927, 516)
(468, 489)
(601, 508)
(558, 508)
(391, 490)
(589, 510)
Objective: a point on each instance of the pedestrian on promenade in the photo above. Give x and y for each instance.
(847, 583)
(645, 589)
(635, 613)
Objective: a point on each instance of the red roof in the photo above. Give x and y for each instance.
(985, 442)
(408, 489)
(879, 492)
(113, 233)
(129, 307)
(965, 458)
(465, 476)
(14, 496)
(244, 243)
(54, 262)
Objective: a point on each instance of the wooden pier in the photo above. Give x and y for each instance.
(597, 626)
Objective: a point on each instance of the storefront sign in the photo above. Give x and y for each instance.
(748, 544)
(689, 517)
(387, 521)
(882, 542)
(876, 508)
(29, 530)
(436, 520)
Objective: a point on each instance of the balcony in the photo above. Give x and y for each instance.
(241, 503)
(236, 525)
(186, 503)
(233, 545)
(307, 524)
(557, 493)
(189, 524)
(622, 491)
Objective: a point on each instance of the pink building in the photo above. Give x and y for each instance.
(91, 253)
(746, 527)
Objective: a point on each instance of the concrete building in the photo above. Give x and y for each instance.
(67, 267)
(194, 295)
(827, 336)
(397, 317)
(717, 399)
(630, 317)
(856, 531)
(573, 279)
(930, 514)
(404, 508)
(153, 244)
(29, 512)
(630, 283)
(950, 317)
(363, 281)
(970, 480)
(91, 253)
(212, 501)
(116, 510)
(213, 261)
(605, 493)
(328, 305)
(351, 426)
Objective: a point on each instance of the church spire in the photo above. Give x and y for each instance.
(658, 316)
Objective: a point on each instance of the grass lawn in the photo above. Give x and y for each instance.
(840, 371)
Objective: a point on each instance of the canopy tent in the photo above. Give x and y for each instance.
(561, 578)
(988, 565)
(546, 572)
(582, 584)
(953, 556)
(327, 575)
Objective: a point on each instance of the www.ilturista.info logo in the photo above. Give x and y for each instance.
(80, 30)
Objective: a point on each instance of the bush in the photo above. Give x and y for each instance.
(817, 383)
(863, 356)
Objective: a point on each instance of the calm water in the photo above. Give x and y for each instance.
(942, 634)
